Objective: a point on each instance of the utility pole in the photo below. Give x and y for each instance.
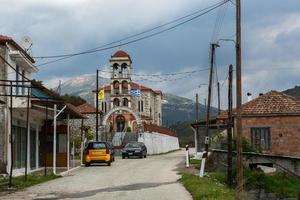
(97, 104)
(197, 120)
(229, 129)
(212, 56)
(239, 98)
(219, 100)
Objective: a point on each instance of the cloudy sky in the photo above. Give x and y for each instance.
(270, 39)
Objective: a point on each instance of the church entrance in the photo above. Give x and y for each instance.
(120, 123)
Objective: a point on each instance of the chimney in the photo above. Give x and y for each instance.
(249, 95)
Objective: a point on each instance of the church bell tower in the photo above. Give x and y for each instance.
(120, 79)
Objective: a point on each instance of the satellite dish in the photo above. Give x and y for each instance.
(26, 42)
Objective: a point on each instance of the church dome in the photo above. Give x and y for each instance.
(120, 53)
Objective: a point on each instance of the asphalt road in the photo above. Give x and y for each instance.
(151, 178)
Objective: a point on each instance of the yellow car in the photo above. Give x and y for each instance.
(98, 152)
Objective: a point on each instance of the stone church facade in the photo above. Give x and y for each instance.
(143, 101)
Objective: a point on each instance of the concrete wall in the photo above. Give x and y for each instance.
(218, 160)
(157, 143)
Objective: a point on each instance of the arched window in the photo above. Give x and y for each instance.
(125, 102)
(116, 102)
(116, 86)
(124, 68)
(125, 87)
(115, 70)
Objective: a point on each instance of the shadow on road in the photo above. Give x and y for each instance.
(89, 193)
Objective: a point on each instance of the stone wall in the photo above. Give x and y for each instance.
(75, 124)
(284, 131)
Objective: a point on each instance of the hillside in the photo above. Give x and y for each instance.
(177, 112)
(293, 91)
(175, 108)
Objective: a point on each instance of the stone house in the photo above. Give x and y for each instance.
(271, 124)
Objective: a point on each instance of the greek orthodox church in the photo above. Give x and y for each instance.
(142, 102)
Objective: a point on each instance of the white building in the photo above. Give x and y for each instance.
(29, 139)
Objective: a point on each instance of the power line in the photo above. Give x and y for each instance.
(160, 75)
(102, 48)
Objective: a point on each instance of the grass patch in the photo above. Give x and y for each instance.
(19, 183)
(281, 184)
(207, 187)
(195, 162)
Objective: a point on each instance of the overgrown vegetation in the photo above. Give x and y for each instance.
(206, 187)
(77, 138)
(246, 145)
(19, 183)
(184, 133)
(281, 184)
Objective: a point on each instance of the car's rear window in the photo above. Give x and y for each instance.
(97, 145)
(133, 145)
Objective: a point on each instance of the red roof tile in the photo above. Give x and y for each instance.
(271, 103)
(159, 129)
(86, 108)
(120, 53)
(6, 39)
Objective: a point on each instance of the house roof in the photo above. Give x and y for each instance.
(5, 39)
(86, 108)
(271, 103)
(134, 86)
(159, 129)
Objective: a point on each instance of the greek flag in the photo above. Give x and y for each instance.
(135, 93)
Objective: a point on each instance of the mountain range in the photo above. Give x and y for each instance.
(174, 109)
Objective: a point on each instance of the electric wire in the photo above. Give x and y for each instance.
(102, 48)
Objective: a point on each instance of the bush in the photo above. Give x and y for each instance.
(245, 143)
(281, 184)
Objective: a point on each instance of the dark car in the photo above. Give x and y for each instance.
(98, 152)
(134, 149)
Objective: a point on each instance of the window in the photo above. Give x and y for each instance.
(105, 107)
(141, 106)
(125, 102)
(96, 145)
(116, 102)
(260, 138)
(19, 146)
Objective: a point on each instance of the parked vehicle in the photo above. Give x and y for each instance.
(134, 149)
(98, 152)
